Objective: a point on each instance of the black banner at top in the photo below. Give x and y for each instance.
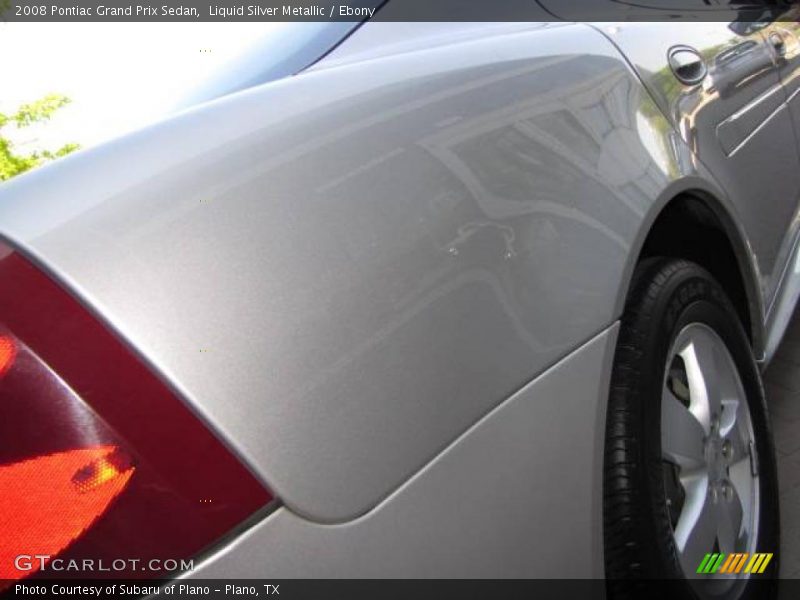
(399, 10)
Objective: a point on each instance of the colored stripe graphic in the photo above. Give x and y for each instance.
(733, 563)
(741, 562)
(718, 563)
(758, 563)
(703, 564)
(764, 564)
(731, 560)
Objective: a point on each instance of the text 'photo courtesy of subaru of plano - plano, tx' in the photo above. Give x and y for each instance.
(484, 300)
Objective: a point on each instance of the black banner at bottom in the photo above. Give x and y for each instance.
(374, 589)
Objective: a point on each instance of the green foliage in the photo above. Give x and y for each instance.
(12, 163)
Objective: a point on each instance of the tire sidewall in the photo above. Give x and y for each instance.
(692, 296)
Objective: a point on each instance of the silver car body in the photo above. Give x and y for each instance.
(392, 282)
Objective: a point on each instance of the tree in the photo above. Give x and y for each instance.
(12, 163)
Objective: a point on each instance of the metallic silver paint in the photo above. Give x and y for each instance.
(486, 506)
(736, 120)
(782, 307)
(344, 270)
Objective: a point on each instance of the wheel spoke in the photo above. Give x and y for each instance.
(696, 530)
(729, 417)
(740, 472)
(681, 434)
(703, 379)
(729, 520)
(741, 477)
(740, 444)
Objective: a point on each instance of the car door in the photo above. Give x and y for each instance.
(720, 85)
(718, 82)
(783, 34)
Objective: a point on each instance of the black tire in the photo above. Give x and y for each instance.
(665, 296)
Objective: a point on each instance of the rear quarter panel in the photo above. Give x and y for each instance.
(344, 270)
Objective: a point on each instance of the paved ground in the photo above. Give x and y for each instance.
(782, 383)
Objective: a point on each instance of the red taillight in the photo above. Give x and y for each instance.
(99, 459)
(8, 351)
(45, 509)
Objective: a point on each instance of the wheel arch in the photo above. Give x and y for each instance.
(692, 221)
